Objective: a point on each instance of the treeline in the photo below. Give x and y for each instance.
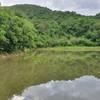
(29, 26)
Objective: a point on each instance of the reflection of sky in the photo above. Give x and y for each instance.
(84, 88)
(87, 7)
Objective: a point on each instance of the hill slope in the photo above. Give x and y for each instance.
(52, 28)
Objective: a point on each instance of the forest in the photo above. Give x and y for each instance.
(27, 26)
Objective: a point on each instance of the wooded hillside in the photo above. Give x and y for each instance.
(30, 26)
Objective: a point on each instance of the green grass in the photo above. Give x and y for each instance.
(75, 48)
(18, 71)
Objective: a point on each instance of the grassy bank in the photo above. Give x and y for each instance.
(18, 71)
(75, 48)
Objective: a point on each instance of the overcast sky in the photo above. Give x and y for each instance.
(86, 7)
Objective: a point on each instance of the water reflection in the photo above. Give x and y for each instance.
(84, 88)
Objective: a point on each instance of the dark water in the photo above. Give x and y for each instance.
(84, 88)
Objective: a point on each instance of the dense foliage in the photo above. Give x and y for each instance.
(29, 26)
(15, 33)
